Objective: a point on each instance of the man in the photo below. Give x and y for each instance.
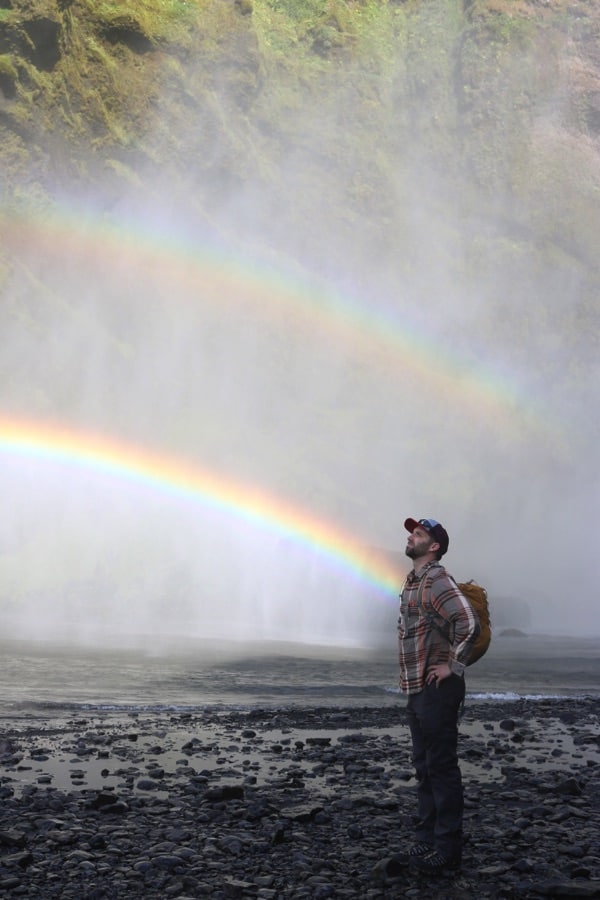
(435, 629)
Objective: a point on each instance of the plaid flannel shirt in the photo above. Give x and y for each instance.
(421, 643)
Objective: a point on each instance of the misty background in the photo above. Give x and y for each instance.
(340, 312)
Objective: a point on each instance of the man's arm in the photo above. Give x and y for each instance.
(450, 604)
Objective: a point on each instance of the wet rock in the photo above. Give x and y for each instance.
(566, 889)
(104, 798)
(22, 860)
(389, 870)
(301, 812)
(148, 784)
(10, 883)
(570, 786)
(12, 837)
(224, 792)
(322, 818)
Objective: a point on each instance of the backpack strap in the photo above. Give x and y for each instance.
(428, 614)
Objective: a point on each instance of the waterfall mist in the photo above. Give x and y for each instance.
(363, 361)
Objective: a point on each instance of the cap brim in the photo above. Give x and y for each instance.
(410, 525)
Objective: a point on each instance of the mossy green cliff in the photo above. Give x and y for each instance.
(499, 101)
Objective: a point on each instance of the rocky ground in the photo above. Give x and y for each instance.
(295, 803)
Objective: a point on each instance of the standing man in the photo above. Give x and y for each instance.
(435, 629)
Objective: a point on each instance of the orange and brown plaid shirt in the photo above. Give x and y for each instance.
(421, 643)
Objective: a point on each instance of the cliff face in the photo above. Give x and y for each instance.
(341, 110)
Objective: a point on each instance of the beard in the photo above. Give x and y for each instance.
(415, 552)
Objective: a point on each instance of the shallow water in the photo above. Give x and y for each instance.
(117, 750)
(37, 677)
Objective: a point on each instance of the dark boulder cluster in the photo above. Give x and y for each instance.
(299, 803)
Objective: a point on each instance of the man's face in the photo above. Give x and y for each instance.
(419, 543)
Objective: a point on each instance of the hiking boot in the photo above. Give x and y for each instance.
(417, 851)
(435, 863)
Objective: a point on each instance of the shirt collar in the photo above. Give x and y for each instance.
(414, 576)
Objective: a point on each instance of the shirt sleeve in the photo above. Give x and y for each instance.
(451, 606)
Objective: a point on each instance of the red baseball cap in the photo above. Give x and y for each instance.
(437, 531)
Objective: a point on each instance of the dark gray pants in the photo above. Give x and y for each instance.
(433, 721)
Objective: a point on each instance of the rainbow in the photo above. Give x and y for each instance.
(185, 269)
(69, 447)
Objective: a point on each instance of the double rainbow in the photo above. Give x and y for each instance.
(94, 246)
(68, 447)
(374, 329)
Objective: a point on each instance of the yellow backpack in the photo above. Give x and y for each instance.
(477, 597)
